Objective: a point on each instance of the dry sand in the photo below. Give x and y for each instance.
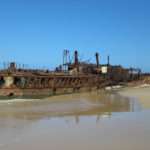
(142, 94)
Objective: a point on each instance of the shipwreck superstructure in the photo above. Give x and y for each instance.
(77, 76)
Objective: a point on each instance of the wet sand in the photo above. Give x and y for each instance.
(87, 121)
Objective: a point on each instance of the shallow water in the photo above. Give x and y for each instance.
(87, 121)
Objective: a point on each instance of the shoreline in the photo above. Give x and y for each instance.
(140, 92)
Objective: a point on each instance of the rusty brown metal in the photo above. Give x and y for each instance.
(97, 59)
(76, 60)
(88, 76)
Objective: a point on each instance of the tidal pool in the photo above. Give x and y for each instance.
(87, 121)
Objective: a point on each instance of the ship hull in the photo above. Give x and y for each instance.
(8, 93)
(26, 85)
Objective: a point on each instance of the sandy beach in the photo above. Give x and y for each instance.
(87, 121)
(142, 94)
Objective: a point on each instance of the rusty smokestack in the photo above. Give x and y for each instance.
(76, 58)
(97, 59)
(76, 61)
(108, 60)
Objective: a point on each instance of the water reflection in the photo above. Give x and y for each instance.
(80, 121)
(97, 104)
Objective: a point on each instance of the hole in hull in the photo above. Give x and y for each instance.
(11, 94)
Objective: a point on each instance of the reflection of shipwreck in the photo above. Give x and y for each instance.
(68, 78)
(78, 105)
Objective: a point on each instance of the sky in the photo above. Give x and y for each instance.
(35, 32)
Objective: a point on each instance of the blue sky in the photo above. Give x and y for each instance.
(35, 32)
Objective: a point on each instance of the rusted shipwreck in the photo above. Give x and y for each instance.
(74, 77)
